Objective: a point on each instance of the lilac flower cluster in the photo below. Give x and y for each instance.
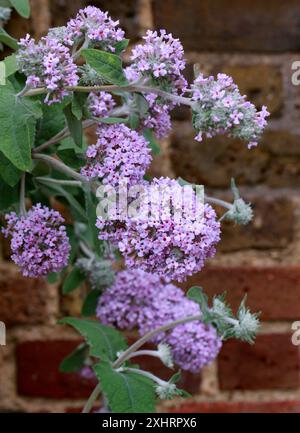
(170, 237)
(145, 301)
(100, 103)
(158, 116)
(158, 61)
(39, 241)
(119, 154)
(96, 28)
(220, 109)
(47, 63)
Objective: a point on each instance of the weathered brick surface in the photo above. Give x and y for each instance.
(271, 363)
(231, 25)
(261, 83)
(23, 300)
(38, 371)
(238, 407)
(275, 291)
(214, 161)
(272, 225)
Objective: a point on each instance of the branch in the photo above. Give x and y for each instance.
(22, 195)
(59, 166)
(112, 88)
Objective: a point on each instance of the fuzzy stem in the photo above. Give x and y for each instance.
(64, 133)
(111, 88)
(59, 165)
(147, 374)
(94, 395)
(135, 346)
(218, 202)
(22, 195)
(143, 353)
(86, 250)
(59, 181)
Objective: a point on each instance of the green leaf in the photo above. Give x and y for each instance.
(71, 158)
(58, 190)
(8, 196)
(52, 122)
(104, 341)
(10, 65)
(91, 206)
(8, 40)
(148, 134)
(75, 360)
(196, 294)
(126, 392)
(90, 303)
(78, 102)
(73, 280)
(75, 125)
(121, 46)
(2, 74)
(22, 7)
(9, 173)
(107, 65)
(18, 118)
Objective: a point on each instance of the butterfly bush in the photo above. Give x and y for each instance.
(221, 109)
(100, 104)
(47, 63)
(171, 246)
(39, 241)
(158, 61)
(96, 27)
(162, 232)
(120, 153)
(145, 301)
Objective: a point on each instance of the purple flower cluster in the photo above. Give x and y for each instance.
(158, 117)
(171, 234)
(221, 109)
(96, 27)
(158, 61)
(120, 154)
(100, 103)
(47, 63)
(39, 241)
(145, 301)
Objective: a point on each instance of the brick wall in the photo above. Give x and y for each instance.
(255, 42)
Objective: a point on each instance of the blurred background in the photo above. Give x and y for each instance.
(256, 43)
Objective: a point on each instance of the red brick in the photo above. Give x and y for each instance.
(238, 407)
(275, 291)
(226, 25)
(274, 162)
(38, 371)
(271, 363)
(23, 300)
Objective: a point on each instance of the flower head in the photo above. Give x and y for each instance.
(145, 301)
(120, 154)
(100, 103)
(47, 63)
(220, 109)
(95, 26)
(39, 241)
(172, 235)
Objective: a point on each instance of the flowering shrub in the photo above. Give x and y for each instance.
(158, 231)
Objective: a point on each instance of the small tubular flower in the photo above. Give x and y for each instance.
(39, 241)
